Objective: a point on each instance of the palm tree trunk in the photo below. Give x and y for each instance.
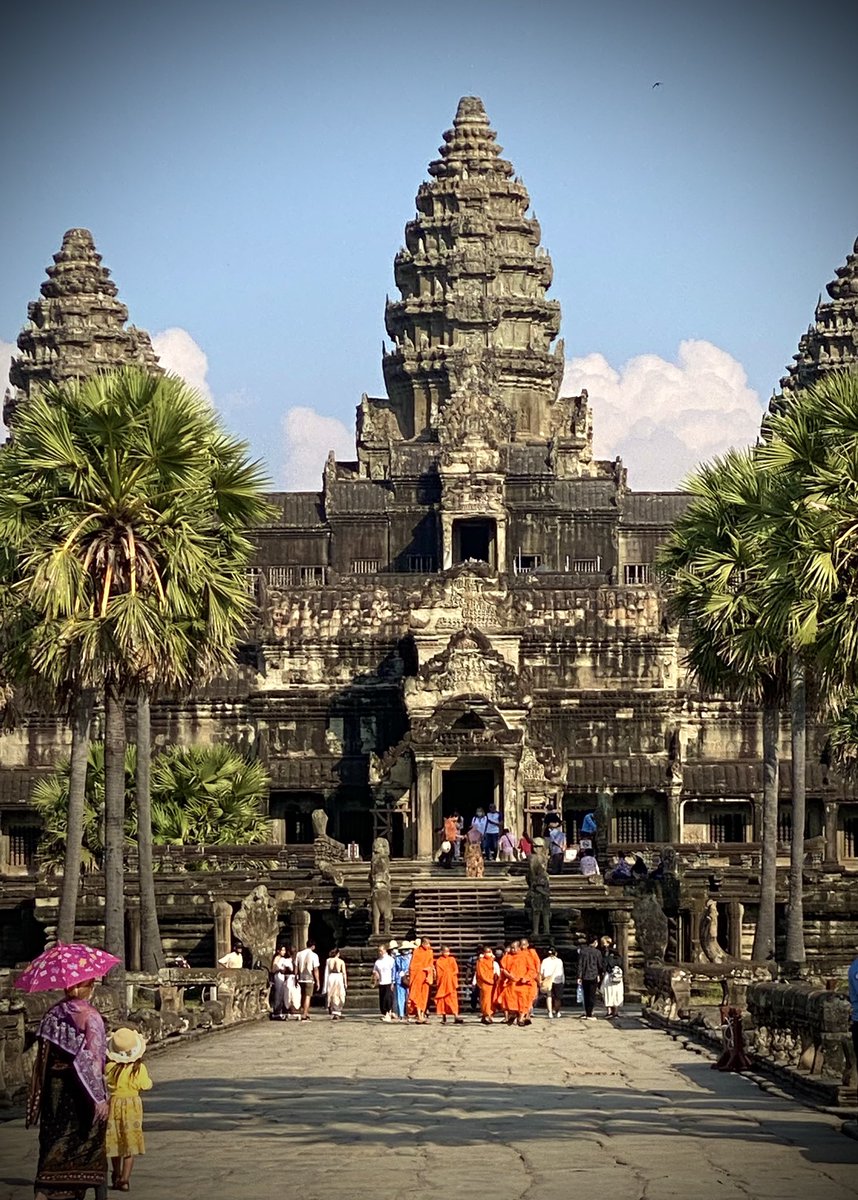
(81, 724)
(795, 952)
(114, 832)
(151, 950)
(764, 935)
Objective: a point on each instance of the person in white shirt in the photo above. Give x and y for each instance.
(234, 960)
(382, 977)
(551, 980)
(307, 970)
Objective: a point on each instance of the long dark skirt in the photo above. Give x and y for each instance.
(71, 1141)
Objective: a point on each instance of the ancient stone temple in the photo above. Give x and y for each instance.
(77, 327)
(466, 613)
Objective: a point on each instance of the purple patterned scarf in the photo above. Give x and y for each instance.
(77, 1028)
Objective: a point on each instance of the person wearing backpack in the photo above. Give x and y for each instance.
(612, 982)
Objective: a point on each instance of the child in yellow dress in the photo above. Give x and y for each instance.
(126, 1078)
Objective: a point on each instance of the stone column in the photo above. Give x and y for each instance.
(620, 920)
(735, 911)
(133, 945)
(446, 541)
(222, 910)
(512, 804)
(695, 915)
(757, 818)
(500, 545)
(300, 928)
(831, 858)
(423, 808)
(674, 813)
(604, 820)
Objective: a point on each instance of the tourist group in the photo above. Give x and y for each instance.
(411, 980)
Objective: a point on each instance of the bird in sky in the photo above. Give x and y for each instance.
(657, 84)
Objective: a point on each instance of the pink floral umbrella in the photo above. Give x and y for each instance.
(63, 966)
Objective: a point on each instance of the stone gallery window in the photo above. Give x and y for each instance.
(727, 827)
(286, 577)
(850, 834)
(475, 538)
(636, 573)
(584, 566)
(635, 825)
(365, 566)
(23, 844)
(421, 564)
(522, 563)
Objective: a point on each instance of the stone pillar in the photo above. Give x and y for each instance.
(831, 858)
(674, 813)
(620, 920)
(757, 818)
(512, 804)
(300, 928)
(604, 820)
(133, 944)
(500, 546)
(446, 541)
(423, 808)
(222, 910)
(695, 915)
(735, 912)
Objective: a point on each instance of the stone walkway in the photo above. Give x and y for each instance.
(558, 1111)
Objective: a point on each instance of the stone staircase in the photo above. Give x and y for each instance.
(460, 917)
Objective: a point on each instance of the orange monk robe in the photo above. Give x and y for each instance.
(447, 989)
(485, 973)
(534, 962)
(518, 989)
(504, 987)
(420, 972)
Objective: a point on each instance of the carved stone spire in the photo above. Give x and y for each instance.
(831, 342)
(77, 327)
(473, 281)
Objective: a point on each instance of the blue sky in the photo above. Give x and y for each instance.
(247, 170)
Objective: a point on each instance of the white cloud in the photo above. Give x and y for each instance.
(7, 349)
(664, 418)
(307, 438)
(179, 353)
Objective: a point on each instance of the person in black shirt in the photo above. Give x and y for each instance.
(591, 968)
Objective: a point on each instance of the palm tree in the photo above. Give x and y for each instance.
(200, 795)
(129, 506)
(810, 456)
(712, 569)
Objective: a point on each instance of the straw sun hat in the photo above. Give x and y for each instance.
(125, 1045)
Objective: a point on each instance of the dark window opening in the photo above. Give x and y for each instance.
(850, 837)
(474, 539)
(23, 844)
(727, 827)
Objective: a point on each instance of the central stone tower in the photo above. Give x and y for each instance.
(473, 280)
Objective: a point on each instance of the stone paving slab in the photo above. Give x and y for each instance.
(324, 1111)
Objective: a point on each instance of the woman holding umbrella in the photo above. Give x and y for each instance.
(68, 1098)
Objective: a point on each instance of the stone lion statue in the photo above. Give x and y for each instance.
(539, 895)
(381, 901)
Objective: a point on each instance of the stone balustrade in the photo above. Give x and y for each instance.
(695, 993)
(169, 1004)
(803, 1030)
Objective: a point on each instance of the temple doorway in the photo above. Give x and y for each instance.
(464, 790)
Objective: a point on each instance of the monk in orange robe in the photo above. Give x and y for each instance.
(534, 962)
(504, 992)
(422, 975)
(519, 967)
(486, 979)
(447, 989)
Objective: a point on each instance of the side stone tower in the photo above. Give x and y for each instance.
(473, 280)
(76, 328)
(831, 342)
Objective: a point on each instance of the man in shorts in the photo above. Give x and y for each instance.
(307, 970)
